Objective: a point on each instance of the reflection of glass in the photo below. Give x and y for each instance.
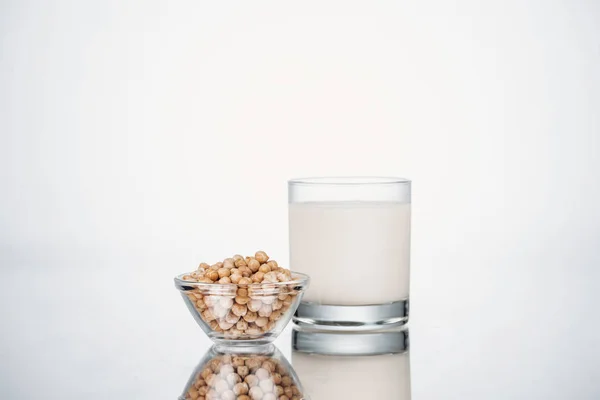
(353, 366)
(265, 374)
(352, 237)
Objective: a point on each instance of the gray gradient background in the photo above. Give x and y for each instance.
(139, 137)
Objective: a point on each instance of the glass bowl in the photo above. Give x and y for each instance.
(265, 375)
(243, 314)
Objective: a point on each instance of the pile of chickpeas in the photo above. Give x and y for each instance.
(249, 308)
(249, 377)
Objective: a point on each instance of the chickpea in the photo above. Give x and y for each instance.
(243, 397)
(255, 393)
(278, 390)
(286, 381)
(261, 322)
(233, 378)
(254, 305)
(223, 272)
(271, 277)
(250, 316)
(226, 302)
(208, 316)
(245, 271)
(277, 304)
(245, 281)
(254, 265)
(231, 318)
(229, 263)
(228, 395)
(224, 280)
(240, 263)
(251, 380)
(213, 275)
(221, 385)
(287, 391)
(242, 300)
(235, 278)
(214, 267)
(242, 292)
(239, 310)
(264, 268)
(262, 374)
(258, 277)
(193, 394)
(261, 256)
(240, 388)
(242, 325)
(269, 366)
(266, 385)
(265, 310)
(243, 371)
(269, 396)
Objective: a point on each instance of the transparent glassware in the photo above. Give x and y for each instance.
(264, 374)
(352, 236)
(242, 314)
(353, 366)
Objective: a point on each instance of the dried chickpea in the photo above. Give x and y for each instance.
(264, 268)
(258, 277)
(224, 280)
(262, 374)
(240, 388)
(223, 272)
(269, 366)
(265, 310)
(243, 397)
(245, 271)
(240, 263)
(226, 302)
(255, 393)
(235, 278)
(228, 395)
(250, 316)
(254, 305)
(229, 263)
(261, 321)
(242, 292)
(261, 256)
(251, 380)
(242, 300)
(239, 310)
(253, 264)
(213, 275)
(266, 385)
(278, 389)
(269, 396)
(286, 381)
(243, 371)
(233, 378)
(245, 281)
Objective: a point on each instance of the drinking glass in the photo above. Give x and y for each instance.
(351, 235)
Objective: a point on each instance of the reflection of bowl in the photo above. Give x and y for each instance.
(231, 376)
(243, 314)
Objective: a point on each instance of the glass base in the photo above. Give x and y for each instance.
(228, 347)
(352, 318)
(393, 341)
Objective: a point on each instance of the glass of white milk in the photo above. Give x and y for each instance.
(351, 235)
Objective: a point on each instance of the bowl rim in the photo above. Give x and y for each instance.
(299, 279)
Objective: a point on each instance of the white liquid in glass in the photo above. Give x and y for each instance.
(356, 253)
(382, 377)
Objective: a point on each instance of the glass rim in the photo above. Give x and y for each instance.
(349, 180)
(298, 279)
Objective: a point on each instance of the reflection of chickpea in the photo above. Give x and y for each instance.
(255, 393)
